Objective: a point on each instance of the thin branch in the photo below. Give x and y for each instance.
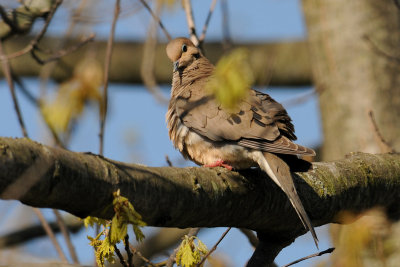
(329, 250)
(214, 247)
(299, 99)
(7, 72)
(107, 62)
(156, 18)
(120, 257)
(137, 253)
(226, 35)
(128, 250)
(67, 237)
(386, 146)
(57, 55)
(33, 44)
(48, 19)
(190, 21)
(169, 162)
(148, 60)
(205, 27)
(50, 233)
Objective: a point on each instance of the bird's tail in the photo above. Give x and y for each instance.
(279, 172)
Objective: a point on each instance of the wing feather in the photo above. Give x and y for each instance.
(259, 122)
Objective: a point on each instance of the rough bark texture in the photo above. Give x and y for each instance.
(353, 46)
(82, 184)
(285, 63)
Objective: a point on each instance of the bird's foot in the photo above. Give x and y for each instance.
(219, 163)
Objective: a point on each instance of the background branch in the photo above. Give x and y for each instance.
(28, 233)
(187, 6)
(290, 67)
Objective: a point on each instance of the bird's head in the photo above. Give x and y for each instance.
(182, 52)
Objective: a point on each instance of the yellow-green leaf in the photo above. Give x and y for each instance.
(91, 221)
(118, 230)
(232, 79)
(189, 254)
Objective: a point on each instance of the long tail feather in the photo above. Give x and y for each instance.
(279, 172)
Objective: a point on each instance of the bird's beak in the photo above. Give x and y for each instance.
(176, 65)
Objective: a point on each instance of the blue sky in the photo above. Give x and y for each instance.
(135, 129)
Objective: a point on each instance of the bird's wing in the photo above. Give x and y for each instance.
(258, 122)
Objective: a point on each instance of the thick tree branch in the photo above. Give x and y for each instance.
(279, 64)
(82, 184)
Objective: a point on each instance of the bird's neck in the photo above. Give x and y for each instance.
(198, 70)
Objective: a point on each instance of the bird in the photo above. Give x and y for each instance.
(258, 133)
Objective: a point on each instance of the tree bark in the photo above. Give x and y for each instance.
(83, 183)
(277, 64)
(355, 62)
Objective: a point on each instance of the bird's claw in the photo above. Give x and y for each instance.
(219, 163)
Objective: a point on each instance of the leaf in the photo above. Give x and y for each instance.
(91, 221)
(232, 79)
(189, 254)
(72, 96)
(126, 213)
(118, 230)
(105, 252)
(202, 247)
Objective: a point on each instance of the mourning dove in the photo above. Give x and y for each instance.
(256, 134)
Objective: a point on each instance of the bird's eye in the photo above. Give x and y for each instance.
(184, 48)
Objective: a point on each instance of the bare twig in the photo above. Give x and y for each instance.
(33, 44)
(156, 18)
(190, 21)
(214, 247)
(120, 257)
(57, 55)
(205, 27)
(128, 251)
(50, 233)
(137, 253)
(299, 99)
(7, 73)
(226, 35)
(250, 236)
(168, 161)
(65, 233)
(329, 250)
(171, 260)
(104, 104)
(385, 145)
(148, 61)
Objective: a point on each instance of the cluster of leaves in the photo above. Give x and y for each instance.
(73, 94)
(232, 78)
(190, 253)
(115, 230)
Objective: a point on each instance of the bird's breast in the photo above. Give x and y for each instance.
(204, 151)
